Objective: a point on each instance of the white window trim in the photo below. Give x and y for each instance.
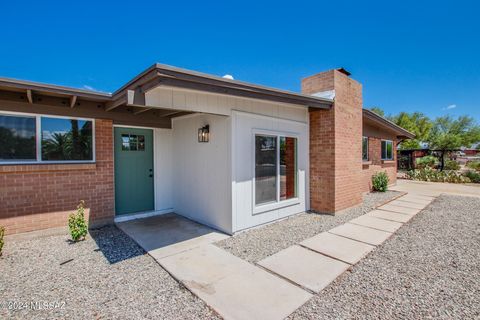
(368, 155)
(38, 137)
(278, 204)
(381, 155)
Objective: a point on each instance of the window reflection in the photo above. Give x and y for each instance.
(265, 169)
(17, 138)
(66, 139)
(288, 168)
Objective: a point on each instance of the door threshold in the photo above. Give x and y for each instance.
(140, 215)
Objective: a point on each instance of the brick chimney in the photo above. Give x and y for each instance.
(335, 142)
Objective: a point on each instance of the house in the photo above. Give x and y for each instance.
(225, 153)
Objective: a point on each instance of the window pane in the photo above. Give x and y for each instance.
(365, 148)
(384, 149)
(265, 169)
(389, 150)
(288, 168)
(66, 139)
(17, 138)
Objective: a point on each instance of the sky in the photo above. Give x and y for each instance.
(409, 55)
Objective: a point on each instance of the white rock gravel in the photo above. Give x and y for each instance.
(110, 278)
(429, 269)
(257, 244)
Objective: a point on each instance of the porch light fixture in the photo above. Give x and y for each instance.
(203, 133)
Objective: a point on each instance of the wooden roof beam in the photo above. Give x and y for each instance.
(73, 101)
(29, 96)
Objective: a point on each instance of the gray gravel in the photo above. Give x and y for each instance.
(109, 278)
(430, 269)
(257, 244)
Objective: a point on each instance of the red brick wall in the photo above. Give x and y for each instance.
(376, 164)
(335, 143)
(34, 197)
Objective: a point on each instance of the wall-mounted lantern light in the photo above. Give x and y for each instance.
(203, 133)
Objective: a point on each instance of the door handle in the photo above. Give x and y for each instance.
(151, 173)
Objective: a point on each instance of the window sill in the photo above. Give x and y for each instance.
(43, 167)
(388, 161)
(366, 163)
(274, 206)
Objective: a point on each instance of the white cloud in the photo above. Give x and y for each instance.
(87, 87)
(450, 107)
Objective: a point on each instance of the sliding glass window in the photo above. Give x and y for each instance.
(35, 138)
(276, 177)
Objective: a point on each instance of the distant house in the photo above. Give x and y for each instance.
(228, 154)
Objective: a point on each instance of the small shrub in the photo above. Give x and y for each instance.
(432, 175)
(451, 165)
(426, 162)
(475, 165)
(77, 224)
(474, 176)
(380, 182)
(2, 233)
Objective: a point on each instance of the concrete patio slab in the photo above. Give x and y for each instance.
(347, 250)
(388, 215)
(376, 223)
(361, 233)
(408, 204)
(398, 209)
(309, 269)
(233, 287)
(169, 234)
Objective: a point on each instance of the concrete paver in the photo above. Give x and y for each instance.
(305, 267)
(361, 233)
(388, 215)
(398, 209)
(376, 223)
(233, 287)
(338, 247)
(408, 204)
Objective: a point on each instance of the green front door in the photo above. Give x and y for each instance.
(133, 170)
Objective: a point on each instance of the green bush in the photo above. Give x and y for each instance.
(426, 162)
(432, 175)
(77, 224)
(451, 165)
(380, 182)
(475, 165)
(2, 233)
(473, 176)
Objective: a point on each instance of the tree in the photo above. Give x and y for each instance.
(448, 133)
(418, 124)
(378, 111)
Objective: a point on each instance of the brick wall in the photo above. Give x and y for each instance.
(376, 164)
(335, 143)
(34, 197)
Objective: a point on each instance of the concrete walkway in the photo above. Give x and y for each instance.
(319, 260)
(434, 189)
(234, 288)
(278, 284)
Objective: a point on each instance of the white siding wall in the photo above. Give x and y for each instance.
(202, 172)
(244, 128)
(212, 183)
(163, 170)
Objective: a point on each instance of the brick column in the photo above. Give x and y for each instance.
(335, 143)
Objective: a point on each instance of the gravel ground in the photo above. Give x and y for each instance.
(257, 244)
(430, 269)
(109, 278)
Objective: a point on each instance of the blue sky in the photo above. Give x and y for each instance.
(409, 55)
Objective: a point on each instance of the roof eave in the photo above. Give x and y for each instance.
(401, 132)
